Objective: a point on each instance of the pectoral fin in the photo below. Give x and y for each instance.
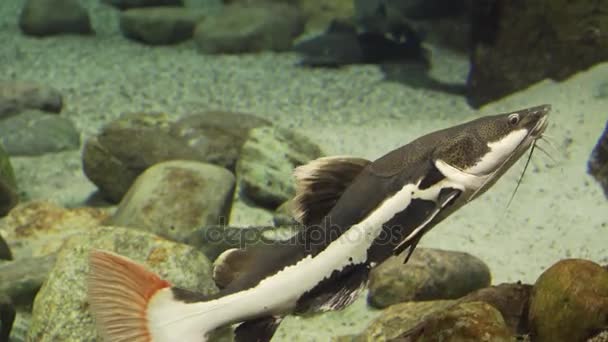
(336, 292)
(257, 330)
(445, 198)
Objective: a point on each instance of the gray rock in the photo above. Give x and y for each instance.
(21, 279)
(160, 25)
(175, 198)
(264, 171)
(33, 133)
(8, 185)
(218, 135)
(243, 29)
(125, 4)
(598, 163)
(126, 147)
(430, 274)
(51, 17)
(35, 229)
(21, 326)
(18, 96)
(60, 309)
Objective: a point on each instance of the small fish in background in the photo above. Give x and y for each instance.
(342, 44)
(357, 213)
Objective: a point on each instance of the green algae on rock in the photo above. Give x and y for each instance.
(60, 310)
(265, 169)
(569, 302)
(176, 198)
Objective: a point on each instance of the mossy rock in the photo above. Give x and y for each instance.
(569, 302)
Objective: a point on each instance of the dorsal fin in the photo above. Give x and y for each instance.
(320, 183)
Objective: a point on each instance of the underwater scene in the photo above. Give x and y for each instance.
(303, 170)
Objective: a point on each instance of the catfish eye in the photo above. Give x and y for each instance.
(513, 119)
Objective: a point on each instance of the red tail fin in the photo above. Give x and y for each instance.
(119, 291)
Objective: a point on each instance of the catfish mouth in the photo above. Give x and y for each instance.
(535, 133)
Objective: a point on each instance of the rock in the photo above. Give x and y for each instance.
(511, 300)
(520, 43)
(60, 309)
(7, 317)
(126, 4)
(569, 301)
(8, 184)
(598, 163)
(126, 147)
(318, 13)
(16, 97)
(269, 155)
(430, 274)
(35, 229)
(160, 25)
(249, 28)
(51, 17)
(176, 198)
(34, 133)
(21, 279)
(398, 319)
(5, 251)
(464, 322)
(218, 135)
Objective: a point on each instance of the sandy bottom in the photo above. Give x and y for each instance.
(558, 211)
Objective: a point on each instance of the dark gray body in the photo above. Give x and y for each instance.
(358, 194)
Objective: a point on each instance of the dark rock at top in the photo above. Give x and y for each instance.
(248, 29)
(51, 17)
(519, 43)
(125, 4)
(17, 96)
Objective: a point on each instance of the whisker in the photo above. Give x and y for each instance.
(547, 154)
(522, 175)
(551, 144)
